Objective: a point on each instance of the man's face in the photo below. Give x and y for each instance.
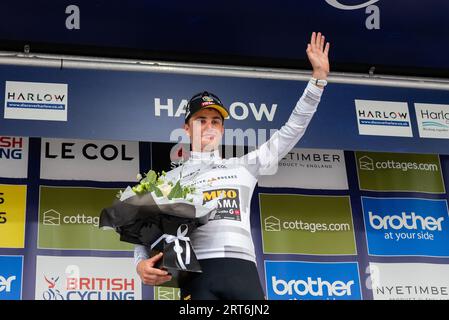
(205, 129)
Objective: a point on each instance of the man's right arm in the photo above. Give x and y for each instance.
(145, 267)
(140, 253)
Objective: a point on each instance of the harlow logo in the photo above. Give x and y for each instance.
(52, 218)
(372, 21)
(272, 224)
(366, 163)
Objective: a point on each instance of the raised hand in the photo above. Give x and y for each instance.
(317, 53)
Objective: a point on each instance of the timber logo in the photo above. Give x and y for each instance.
(272, 224)
(366, 163)
(52, 218)
(372, 21)
(228, 203)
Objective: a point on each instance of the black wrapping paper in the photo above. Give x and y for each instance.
(141, 220)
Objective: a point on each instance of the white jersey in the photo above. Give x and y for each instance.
(228, 233)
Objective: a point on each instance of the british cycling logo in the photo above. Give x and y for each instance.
(89, 288)
(372, 21)
(12, 148)
(52, 293)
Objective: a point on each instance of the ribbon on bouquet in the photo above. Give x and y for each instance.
(180, 236)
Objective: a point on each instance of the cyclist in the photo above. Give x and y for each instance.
(224, 245)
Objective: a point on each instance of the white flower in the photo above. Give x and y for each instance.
(165, 189)
(139, 177)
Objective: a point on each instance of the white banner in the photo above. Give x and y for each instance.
(36, 101)
(383, 118)
(433, 120)
(89, 160)
(309, 169)
(13, 157)
(86, 278)
(409, 281)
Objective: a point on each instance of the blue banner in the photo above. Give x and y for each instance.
(146, 106)
(406, 226)
(11, 277)
(324, 281)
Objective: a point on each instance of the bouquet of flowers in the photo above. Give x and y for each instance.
(160, 214)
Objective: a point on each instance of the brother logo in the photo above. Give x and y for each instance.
(410, 221)
(5, 283)
(312, 287)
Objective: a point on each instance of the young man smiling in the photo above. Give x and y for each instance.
(224, 245)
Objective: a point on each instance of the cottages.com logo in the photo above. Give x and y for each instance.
(366, 163)
(274, 224)
(53, 218)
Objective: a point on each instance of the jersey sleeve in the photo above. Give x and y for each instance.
(264, 160)
(140, 253)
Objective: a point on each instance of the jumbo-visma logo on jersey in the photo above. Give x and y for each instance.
(228, 206)
(406, 226)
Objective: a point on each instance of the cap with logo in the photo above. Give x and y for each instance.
(205, 100)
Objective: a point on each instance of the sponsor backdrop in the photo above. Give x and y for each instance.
(357, 210)
(376, 227)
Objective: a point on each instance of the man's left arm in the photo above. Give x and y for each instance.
(271, 152)
(318, 54)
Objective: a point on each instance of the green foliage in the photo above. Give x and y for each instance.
(157, 183)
